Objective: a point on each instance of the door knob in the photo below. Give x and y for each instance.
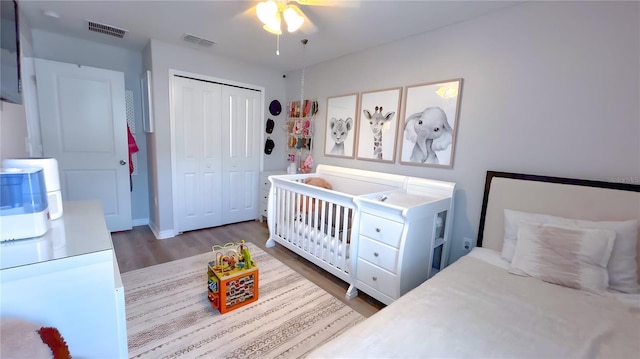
(123, 162)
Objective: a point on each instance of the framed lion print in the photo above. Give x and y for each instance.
(340, 126)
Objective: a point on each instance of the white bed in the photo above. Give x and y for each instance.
(476, 308)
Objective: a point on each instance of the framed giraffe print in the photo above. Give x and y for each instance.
(430, 123)
(340, 126)
(379, 112)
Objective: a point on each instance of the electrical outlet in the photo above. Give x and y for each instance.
(466, 244)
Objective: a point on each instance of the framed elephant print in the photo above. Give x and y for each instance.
(379, 112)
(430, 123)
(340, 126)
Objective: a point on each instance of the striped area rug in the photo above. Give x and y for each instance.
(169, 315)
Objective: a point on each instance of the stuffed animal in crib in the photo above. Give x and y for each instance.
(318, 182)
(313, 181)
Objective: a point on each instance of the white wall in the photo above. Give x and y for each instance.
(550, 88)
(161, 57)
(13, 131)
(62, 48)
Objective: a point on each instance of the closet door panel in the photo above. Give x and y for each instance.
(241, 154)
(198, 154)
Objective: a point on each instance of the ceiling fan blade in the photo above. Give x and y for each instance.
(308, 27)
(250, 12)
(335, 3)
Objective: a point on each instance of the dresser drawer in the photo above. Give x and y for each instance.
(380, 229)
(377, 278)
(377, 253)
(264, 195)
(264, 182)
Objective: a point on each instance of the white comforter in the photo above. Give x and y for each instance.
(477, 309)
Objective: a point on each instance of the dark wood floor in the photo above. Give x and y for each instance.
(139, 248)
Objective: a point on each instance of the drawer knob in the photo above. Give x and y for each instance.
(374, 278)
(378, 230)
(375, 254)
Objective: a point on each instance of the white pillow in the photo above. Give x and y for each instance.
(569, 256)
(622, 265)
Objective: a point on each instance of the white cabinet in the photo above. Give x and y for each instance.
(400, 243)
(265, 186)
(69, 279)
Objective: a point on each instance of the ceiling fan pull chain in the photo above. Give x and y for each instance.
(304, 45)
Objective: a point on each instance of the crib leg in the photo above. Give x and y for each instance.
(352, 292)
(270, 243)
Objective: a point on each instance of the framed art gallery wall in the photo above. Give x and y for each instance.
(418, 121)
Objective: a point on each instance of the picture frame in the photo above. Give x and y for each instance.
(147, 108)
(430, 123)
(378, 130)
(342, 119)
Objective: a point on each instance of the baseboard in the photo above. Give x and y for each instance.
(160, 234)
(164, 234)
(140, 222)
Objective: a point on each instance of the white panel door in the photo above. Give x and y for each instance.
(241, 153)
(83, 125)
(196, 106)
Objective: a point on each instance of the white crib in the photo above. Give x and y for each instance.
(323, 226)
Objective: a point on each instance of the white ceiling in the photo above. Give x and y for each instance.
(343, 27)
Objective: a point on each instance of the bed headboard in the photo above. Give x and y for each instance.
(565, 197)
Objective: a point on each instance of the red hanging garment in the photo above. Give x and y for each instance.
(133, 148)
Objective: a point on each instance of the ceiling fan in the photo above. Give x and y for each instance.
(271, 13)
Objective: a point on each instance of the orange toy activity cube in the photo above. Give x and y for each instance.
(232, 278)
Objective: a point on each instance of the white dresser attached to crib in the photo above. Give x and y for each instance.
(382, 233)
(401, 242)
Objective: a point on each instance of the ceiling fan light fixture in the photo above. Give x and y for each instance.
(293, 18)
(273, 26)
(267, 11)
(273, 29)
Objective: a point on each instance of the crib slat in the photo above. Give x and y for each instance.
(313, 225)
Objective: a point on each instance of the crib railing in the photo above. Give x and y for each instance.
(314, 222)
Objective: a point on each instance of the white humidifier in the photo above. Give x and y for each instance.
(23, 203)
(51, 180)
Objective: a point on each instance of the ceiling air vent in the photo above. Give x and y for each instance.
(106, 29)
(197, 40)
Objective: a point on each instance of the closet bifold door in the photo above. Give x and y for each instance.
(217, 153)
(240, 153)
(198, 153)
